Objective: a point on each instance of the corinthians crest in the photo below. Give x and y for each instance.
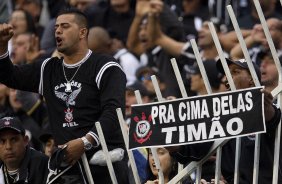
(143, 128)
(68, 115)
(70, 101)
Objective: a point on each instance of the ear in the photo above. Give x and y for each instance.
(26, 140)
(83, 33)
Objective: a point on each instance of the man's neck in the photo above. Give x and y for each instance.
(74, 58)
(12, 167)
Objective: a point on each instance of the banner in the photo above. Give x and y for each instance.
(197, 119)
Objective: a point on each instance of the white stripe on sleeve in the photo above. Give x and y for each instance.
(40, 89)
(103, 69)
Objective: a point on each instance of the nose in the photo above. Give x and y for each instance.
(8, 145)
(58, 30)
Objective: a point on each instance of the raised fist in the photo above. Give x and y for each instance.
(6, 33)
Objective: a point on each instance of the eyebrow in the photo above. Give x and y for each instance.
(63, 23)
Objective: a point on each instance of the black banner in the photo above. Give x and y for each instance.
(197, 119)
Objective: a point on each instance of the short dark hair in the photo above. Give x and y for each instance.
(79, 16)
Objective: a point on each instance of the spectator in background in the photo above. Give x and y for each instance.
(168, 164)
(176, 48)
(193, 15)
(20, 48)
(214, 77)
(256, 42)
(19, 163)
(269, 73)
(55, 6)
(268, 9)
(91, 8)
(26, 49)
(184, 51)
(116, 17)
(48, 142)
(130, 98)
(242, 80)
(34, 7)
(22, 22)
(99, 41)
(143, 74)
(82, 5)
(140, 40)
(198, 86)
(31, 125)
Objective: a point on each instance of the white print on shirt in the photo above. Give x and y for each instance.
(70, 101)
(63, 85)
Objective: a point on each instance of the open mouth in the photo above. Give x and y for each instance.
(143, 39)
(201, 36)
(59, 41)
(263, 73)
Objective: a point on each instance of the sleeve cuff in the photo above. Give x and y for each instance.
(4, 55)
(95, 137)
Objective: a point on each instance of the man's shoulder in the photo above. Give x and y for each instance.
(101, 58)
(101, 61)
(37, 155)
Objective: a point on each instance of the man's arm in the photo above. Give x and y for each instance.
(12, 75)
(112, 90)
(133, 42)
(256, 37)
(143, 7)
(229, 40)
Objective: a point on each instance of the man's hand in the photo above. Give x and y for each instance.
(74, 150)
(156, 7)
(269, 110)
(258, 34)
(6, 33)
(142, 7)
